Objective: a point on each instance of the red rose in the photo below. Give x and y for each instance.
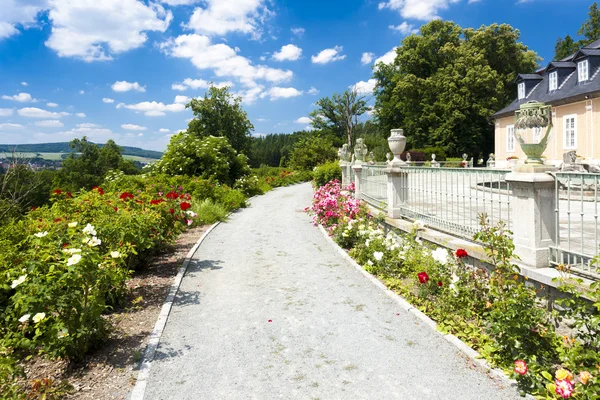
(172, 211)
(440, 284)
(184, 206)
(155, 202)
(172, 196)
(57, 191)
(461, 253)
(69, 195)
(125, 196)
(57, 220)
(423, 277)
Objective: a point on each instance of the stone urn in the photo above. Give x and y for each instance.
(397, 143)
(533, 115)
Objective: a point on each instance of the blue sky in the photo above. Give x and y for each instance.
(123, 69)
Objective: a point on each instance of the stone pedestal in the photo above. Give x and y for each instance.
(397, 190)
(345, 166)
(357, 177)
(534, 222)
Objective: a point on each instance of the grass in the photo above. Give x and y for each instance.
(209, 212)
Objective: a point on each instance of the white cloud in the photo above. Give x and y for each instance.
(180, 2)
(80, 115)
(6, 112)
(328, 55)
(52, 123)
(313, 90)
(9, 126)
(387, 58)
(94, 132)
(424, 10)
(363, 87)
(303, 120)
(124, 86)
(182, 99)
(24, 83)
(404, 28)
(132, 127)
(108, 100)
(298, 31)
(261, 119)
(288, 52)
(249, 96)
(366, 58)
(32, 112)
(153, 108)
(95, 30)
(19, 13)
(51, 105)
(222, 59)
(189, 83)
(88, 125)
(164, 130)
(82, 92)
(21, 98)
(220, 17)
(276, 92)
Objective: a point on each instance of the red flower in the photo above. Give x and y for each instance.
(172, 211)
(423, 277)
(57, 191)
(57, 220)
(125, 196)
(461, 253)
(521, 367)
(69, 195)
(99, 189)
(139, 201)
(440, 283)
(172, 196)
(116, 208)
(155, 202)
(65, 245)
(184, 206)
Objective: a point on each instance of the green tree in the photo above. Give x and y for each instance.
(565, 47)
(446, 83)
(312, 150)
(339, 114)
(219, 113)
(589, 30)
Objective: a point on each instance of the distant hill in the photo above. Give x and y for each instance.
(63, 147)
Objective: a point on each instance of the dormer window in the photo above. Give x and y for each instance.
(553, 81)
(583, 71)
(521, 90)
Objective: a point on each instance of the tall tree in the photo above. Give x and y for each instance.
(220, 113)
(340, 113)
(565, 47)
(590, 30)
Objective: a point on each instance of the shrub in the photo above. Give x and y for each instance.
(310, 152)
(414, 156)
(209, 212)
(327, 172)
(440, 153)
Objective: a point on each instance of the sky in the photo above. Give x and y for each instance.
(124, 69)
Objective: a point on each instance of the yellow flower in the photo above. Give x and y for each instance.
(585, 377)
(563, 374)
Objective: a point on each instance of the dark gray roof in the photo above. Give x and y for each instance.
(529, 76)
(593, 45)
(561, 64)
(587, 52)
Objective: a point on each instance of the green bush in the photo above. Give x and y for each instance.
(327, 172)
(309, 152)
(440, 153)
(209, 212)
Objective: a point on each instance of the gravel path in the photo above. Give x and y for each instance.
(269, 310)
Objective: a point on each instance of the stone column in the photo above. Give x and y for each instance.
(397, 190)
(533, 203)
(357, 177)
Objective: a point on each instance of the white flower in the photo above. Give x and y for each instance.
(72, 224)
(24, 318)
(440, 255)
(37, 318)
(378, 255)
(41, 234)
(418, 224)
(63, 333)
(75, 258)
(18, 281)
(367, 242)
(369, 262)
(94, 241)
(190, 222)
(71, 251)
(191, 214)
(90, 230)
(115, 254)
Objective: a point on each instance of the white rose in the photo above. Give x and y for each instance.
(41, 234)
(18, 281)
(37, 318)
(24, 318)
(115, 254)
(378, 255)
(74, 259)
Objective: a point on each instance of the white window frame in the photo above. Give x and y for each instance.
(553, 81)
(521, 90)
(537, 135)
(510, 139)
(583, 71)
(570, 132)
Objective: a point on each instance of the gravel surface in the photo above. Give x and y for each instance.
(269, 310)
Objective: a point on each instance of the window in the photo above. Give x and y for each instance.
(553, 81)
(510, 139)
(521, 88)
(583, 71)
(537, 135)
(570, 131)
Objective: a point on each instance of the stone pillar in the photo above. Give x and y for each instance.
(397, 190)
(357, 177)
(533, 203)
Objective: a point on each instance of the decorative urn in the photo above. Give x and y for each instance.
(397, 143)
(533, 116)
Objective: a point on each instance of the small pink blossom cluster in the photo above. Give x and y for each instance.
(330, 204)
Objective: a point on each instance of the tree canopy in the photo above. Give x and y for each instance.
(446, 83)
(220, 113)
(589, 30)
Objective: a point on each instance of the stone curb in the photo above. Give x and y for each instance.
(474, 356)
(144, 372)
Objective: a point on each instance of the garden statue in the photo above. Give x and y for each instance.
(371, 158)
(532, 115)
(464, 163)
(344, 153)
(434, 163)
(408, 157)
(360, 150)
(491, 162)
(397, 143)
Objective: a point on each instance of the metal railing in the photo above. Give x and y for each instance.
(373, 185)
(577, 238)
(451, 199)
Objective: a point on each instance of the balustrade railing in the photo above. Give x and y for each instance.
(374, 185)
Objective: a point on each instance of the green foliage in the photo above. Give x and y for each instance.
(447, 82)
(311, 151)
(327, 172)
(210, 157)
(440, 153)
(63, 147)
(220, 114)
(210, 212)
(273, 150)
(590, 30)
(565, 47)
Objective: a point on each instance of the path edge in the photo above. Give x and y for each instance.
(139, 390)
(471, 354)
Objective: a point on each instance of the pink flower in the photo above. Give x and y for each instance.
(564, 388)
(521, 367)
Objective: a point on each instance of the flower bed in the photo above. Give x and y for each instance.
(495, 311)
